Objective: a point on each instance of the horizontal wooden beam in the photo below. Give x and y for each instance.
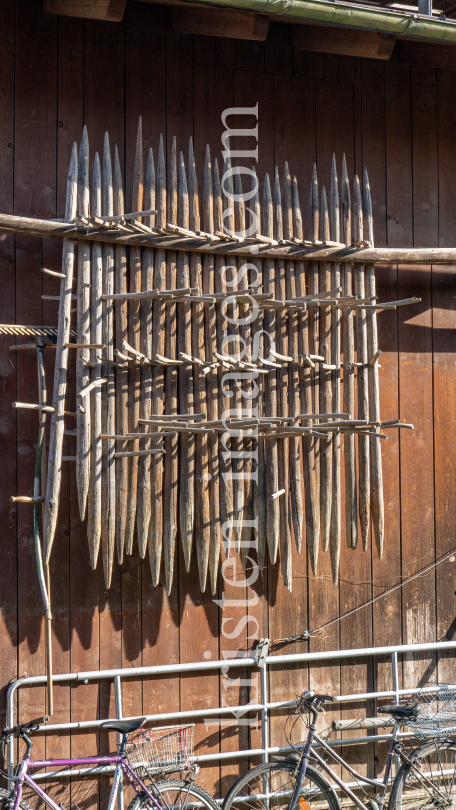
(384, 255)
(108, 10)
(220, 22)
(343, 41)
(428, 54)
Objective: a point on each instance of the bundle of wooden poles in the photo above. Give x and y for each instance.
(215, 392)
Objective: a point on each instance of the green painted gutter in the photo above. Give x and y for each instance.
(399, 24)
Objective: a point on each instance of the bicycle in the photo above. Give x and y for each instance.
(426, 779)
(151, 752)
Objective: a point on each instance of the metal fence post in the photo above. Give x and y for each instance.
(264, 711)
(118, 699)
(394, 664)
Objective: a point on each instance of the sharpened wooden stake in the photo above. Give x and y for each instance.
(282, 390)
(134, 371)
(156, 529)
(351, 496)
(225, 478)
(203, 491)
(94, 499)
(326, 448)
(121, 313)
(311, 481)
(259, 485)
(297, 506)
(60, 371)
(271, 448)
(108, 417)
(362, 375)
(185, 379)
(377, 505)
(314, 328)
(336, 528)
(212, 469)
(171, 468)
(83, 332)
(144, 504)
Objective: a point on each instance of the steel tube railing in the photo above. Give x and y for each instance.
(263, 707)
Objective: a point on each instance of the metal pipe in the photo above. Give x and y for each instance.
(408, 25)
(118, 700)
(264, 711)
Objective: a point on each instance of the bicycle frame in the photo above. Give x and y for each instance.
(311, 737)
(119, 760)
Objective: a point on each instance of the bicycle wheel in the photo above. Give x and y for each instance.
(175, 794)
(429, 780)
(270, 786)
(7, 801)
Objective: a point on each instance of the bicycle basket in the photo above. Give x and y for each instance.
(437, 717)
(161, 750)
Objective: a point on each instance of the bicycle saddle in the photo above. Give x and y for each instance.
(124, 726)
(401, 710)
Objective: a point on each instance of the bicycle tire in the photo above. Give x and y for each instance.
(7, 800)
(438, 761)
(281, 781)
(166, 786)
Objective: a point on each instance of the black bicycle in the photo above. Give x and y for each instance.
(426, 779)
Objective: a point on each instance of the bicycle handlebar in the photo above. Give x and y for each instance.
(24, 729)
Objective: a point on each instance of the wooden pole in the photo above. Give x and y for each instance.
(94, 507)
(212, 470)
(377, 506)
(134, 369)
(108, 477)
(259, 486)
(326, 449)
(245, 385)
(60, 371)
(144, 506)
(121, 311)
(335, 529)
(226, 480)
(203, 492)
(351, 497)
(171, 474)
(282, 390)
(235, 443)
(362, 374)
(311, 478)
(271, 448)
(83, 334)
(184, 344)
(156, 527)
(294, 399)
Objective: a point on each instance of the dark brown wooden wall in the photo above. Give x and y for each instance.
(400, 122)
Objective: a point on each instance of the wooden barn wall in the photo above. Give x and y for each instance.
(399, 122)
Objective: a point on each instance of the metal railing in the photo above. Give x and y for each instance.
(265, 706)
